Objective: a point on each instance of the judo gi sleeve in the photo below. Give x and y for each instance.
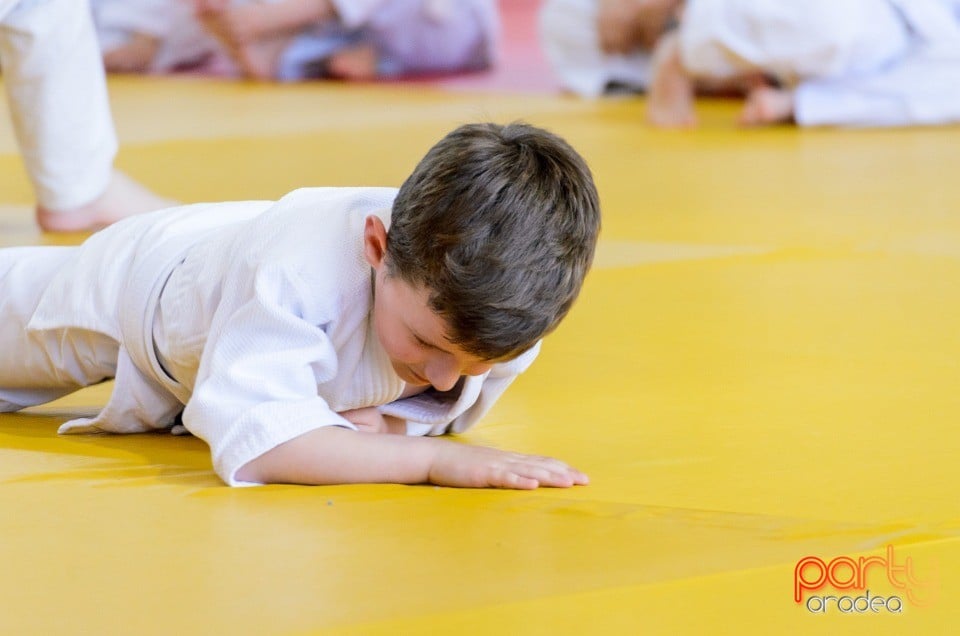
(256, 385)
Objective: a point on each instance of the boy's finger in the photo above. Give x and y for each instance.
(546, 477)
(517, 481)
(553, 466)
(572, 477)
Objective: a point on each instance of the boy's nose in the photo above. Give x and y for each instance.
(442, 373)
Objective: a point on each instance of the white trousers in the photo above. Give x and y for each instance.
(792, 41)
(56, 88)
(39, 366)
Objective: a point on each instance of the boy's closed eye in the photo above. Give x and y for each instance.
(427, 345)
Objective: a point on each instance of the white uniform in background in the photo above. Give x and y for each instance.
(255, 315)
(411, 36)
(55, 85)
(852, 62)
(182, 39)
(568, 35)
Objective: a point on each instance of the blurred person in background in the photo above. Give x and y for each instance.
(151, 36)
(354, 39)
(597, 45)
(58, 101)
(291, 40)
(851, 63)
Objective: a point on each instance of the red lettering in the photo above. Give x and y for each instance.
(800, 583)
(866, 562)
(844, 573)
(893, 570)
(854, 573)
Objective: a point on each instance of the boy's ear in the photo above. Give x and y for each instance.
(374, 241)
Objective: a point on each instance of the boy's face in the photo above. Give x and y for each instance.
(411, 333)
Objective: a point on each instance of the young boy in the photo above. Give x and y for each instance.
(851, 63)
(285, 328)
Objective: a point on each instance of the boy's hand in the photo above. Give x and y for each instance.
(467, 466)
(336, 455)
(370, 420)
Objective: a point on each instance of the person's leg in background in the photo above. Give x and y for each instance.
(56, 88)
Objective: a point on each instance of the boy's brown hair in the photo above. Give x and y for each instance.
(499, 223)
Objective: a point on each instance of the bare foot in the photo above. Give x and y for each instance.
(767, 105)
(133, 57)
(358, 63)
(123, 197)
(670, 97)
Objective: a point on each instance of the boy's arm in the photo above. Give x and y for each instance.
(334, 455)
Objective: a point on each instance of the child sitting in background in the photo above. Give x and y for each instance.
(594, 45)
(354, 39)
(152, 36)
(281, 330)
(292, 40)
(602, 46)
(851, 63)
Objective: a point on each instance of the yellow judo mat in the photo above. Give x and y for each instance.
(761, 379)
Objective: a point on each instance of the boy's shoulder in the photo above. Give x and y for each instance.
(347, 198)
(310, 243)
(317, 221)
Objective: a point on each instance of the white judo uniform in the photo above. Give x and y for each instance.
(571, 43)
(851, 62)
(56, 89)
(182, 39)
(252, 318)
(411, 36)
